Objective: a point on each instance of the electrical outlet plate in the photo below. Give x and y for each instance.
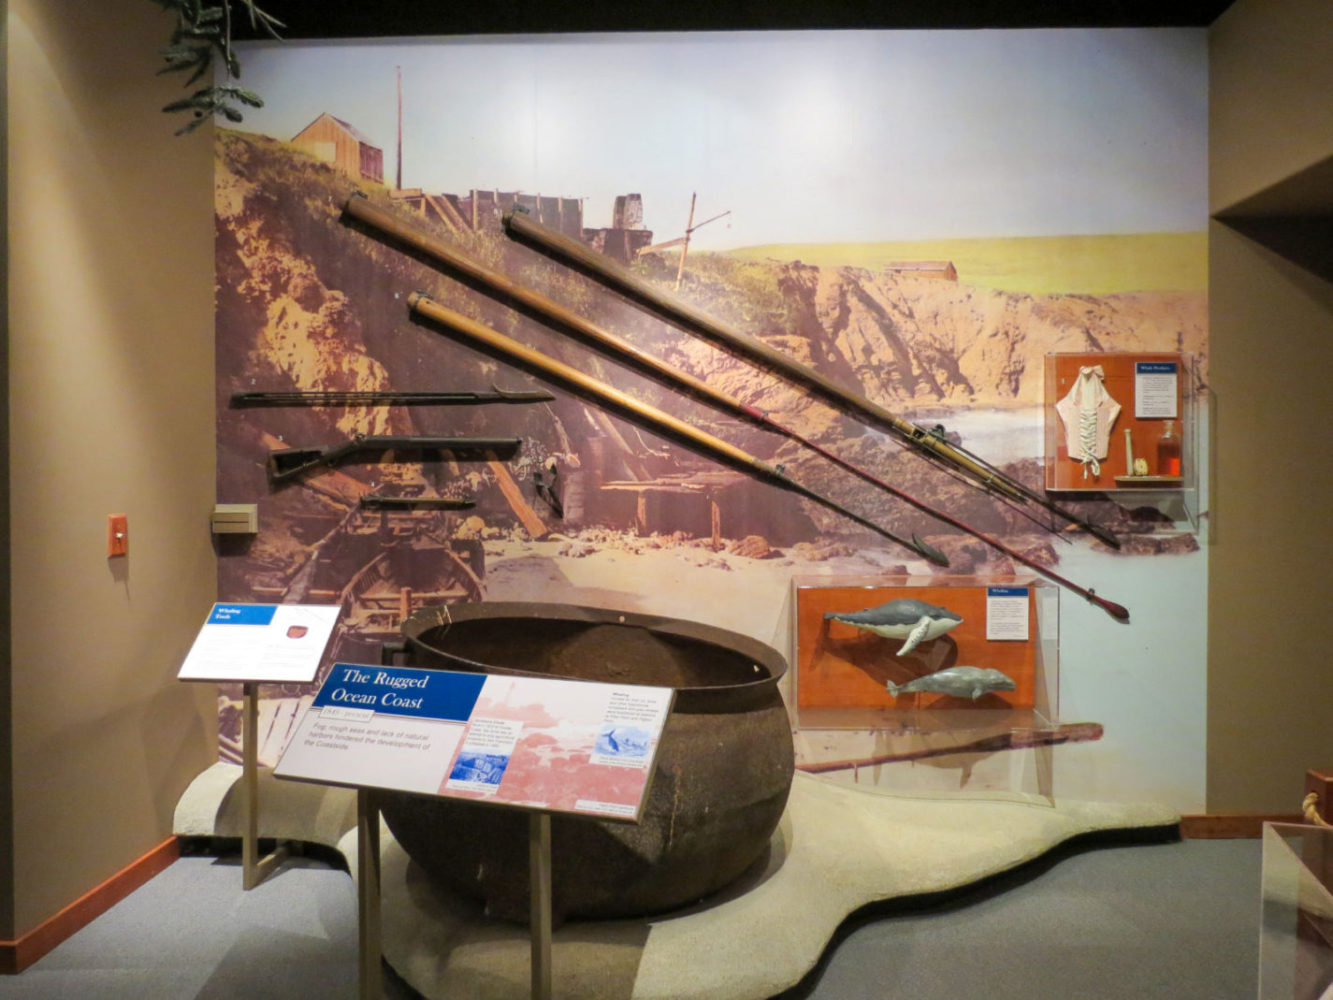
(117, 535)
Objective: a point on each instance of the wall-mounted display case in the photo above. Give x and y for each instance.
(1124, 424)
(925, 655)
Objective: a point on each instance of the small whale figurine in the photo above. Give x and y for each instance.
(906, 618)
(961, 682)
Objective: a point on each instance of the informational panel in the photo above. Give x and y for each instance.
(260, 643)
(536, 742)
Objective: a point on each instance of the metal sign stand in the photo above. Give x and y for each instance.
(368, 893)
(539, 913)
(254, 869)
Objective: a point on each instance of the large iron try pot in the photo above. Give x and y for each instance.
(723, 771)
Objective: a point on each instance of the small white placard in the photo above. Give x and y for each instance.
(260, 643)
(1007, 613)
(1156, 389)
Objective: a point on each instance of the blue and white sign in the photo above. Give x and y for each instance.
(1007, 614)
(549, 743)
(386, 727)
(261, 643)
(1156, 390)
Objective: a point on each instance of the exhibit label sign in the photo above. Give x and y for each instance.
(261, 643)
(536, 742)
(1007, 614)
(1156, 389)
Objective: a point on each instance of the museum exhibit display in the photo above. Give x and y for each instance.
(959, 666)
(1118, 421)
(910, 561)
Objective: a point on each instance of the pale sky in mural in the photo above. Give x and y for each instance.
(804, 137)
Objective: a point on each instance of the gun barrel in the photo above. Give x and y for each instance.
(288, 463)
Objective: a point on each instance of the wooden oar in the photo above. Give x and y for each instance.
(655, 419)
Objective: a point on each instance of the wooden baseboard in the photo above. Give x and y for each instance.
(15, 956)
(1232, 826)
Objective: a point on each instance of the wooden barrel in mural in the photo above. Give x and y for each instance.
(723, 770)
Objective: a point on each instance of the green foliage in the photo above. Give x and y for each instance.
(201, 36)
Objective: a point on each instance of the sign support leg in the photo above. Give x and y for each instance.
(368, 893)
(539, 917)
(254, 869)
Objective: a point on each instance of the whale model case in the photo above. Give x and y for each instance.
(874, 653)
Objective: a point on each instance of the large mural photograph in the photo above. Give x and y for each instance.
(414, 386)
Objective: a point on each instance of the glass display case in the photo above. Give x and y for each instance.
(1296, 920)
(1124, 424)
(927, 655)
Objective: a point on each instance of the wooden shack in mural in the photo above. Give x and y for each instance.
(940, 270)
(333, 141)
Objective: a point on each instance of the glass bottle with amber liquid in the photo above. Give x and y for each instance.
(1168, 451)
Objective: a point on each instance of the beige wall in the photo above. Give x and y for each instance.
(111, 410)
(1270, 86)
(1270, 676)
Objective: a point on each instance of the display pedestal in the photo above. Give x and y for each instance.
(254, 869)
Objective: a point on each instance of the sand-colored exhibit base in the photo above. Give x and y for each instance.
(836, 849)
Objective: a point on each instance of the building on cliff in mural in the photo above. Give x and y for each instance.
(333, 141)
(940, 270)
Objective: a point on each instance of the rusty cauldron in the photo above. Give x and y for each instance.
(724, 764)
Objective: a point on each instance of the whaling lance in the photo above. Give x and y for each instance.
(696, 321)
(564, 319)
(655, 419)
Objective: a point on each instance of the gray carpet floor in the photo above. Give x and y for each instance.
(1099, 920)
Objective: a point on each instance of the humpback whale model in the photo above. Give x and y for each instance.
(961, 682)
(906, 618)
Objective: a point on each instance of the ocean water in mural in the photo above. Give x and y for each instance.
(823, 197)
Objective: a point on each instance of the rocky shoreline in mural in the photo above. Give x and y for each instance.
(307, 300)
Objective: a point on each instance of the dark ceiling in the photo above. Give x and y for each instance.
(387, 18)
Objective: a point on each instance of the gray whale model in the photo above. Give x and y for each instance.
(961, 682)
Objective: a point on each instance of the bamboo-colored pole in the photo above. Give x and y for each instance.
(657, 420)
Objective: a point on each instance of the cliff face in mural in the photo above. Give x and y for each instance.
(307, 300)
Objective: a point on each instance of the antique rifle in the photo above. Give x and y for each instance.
(655, 419)
(564, 319)
(288, 463)
(385, 397)
(925, 441)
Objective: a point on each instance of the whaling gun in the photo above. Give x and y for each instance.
(386, 397)
(289, 463)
